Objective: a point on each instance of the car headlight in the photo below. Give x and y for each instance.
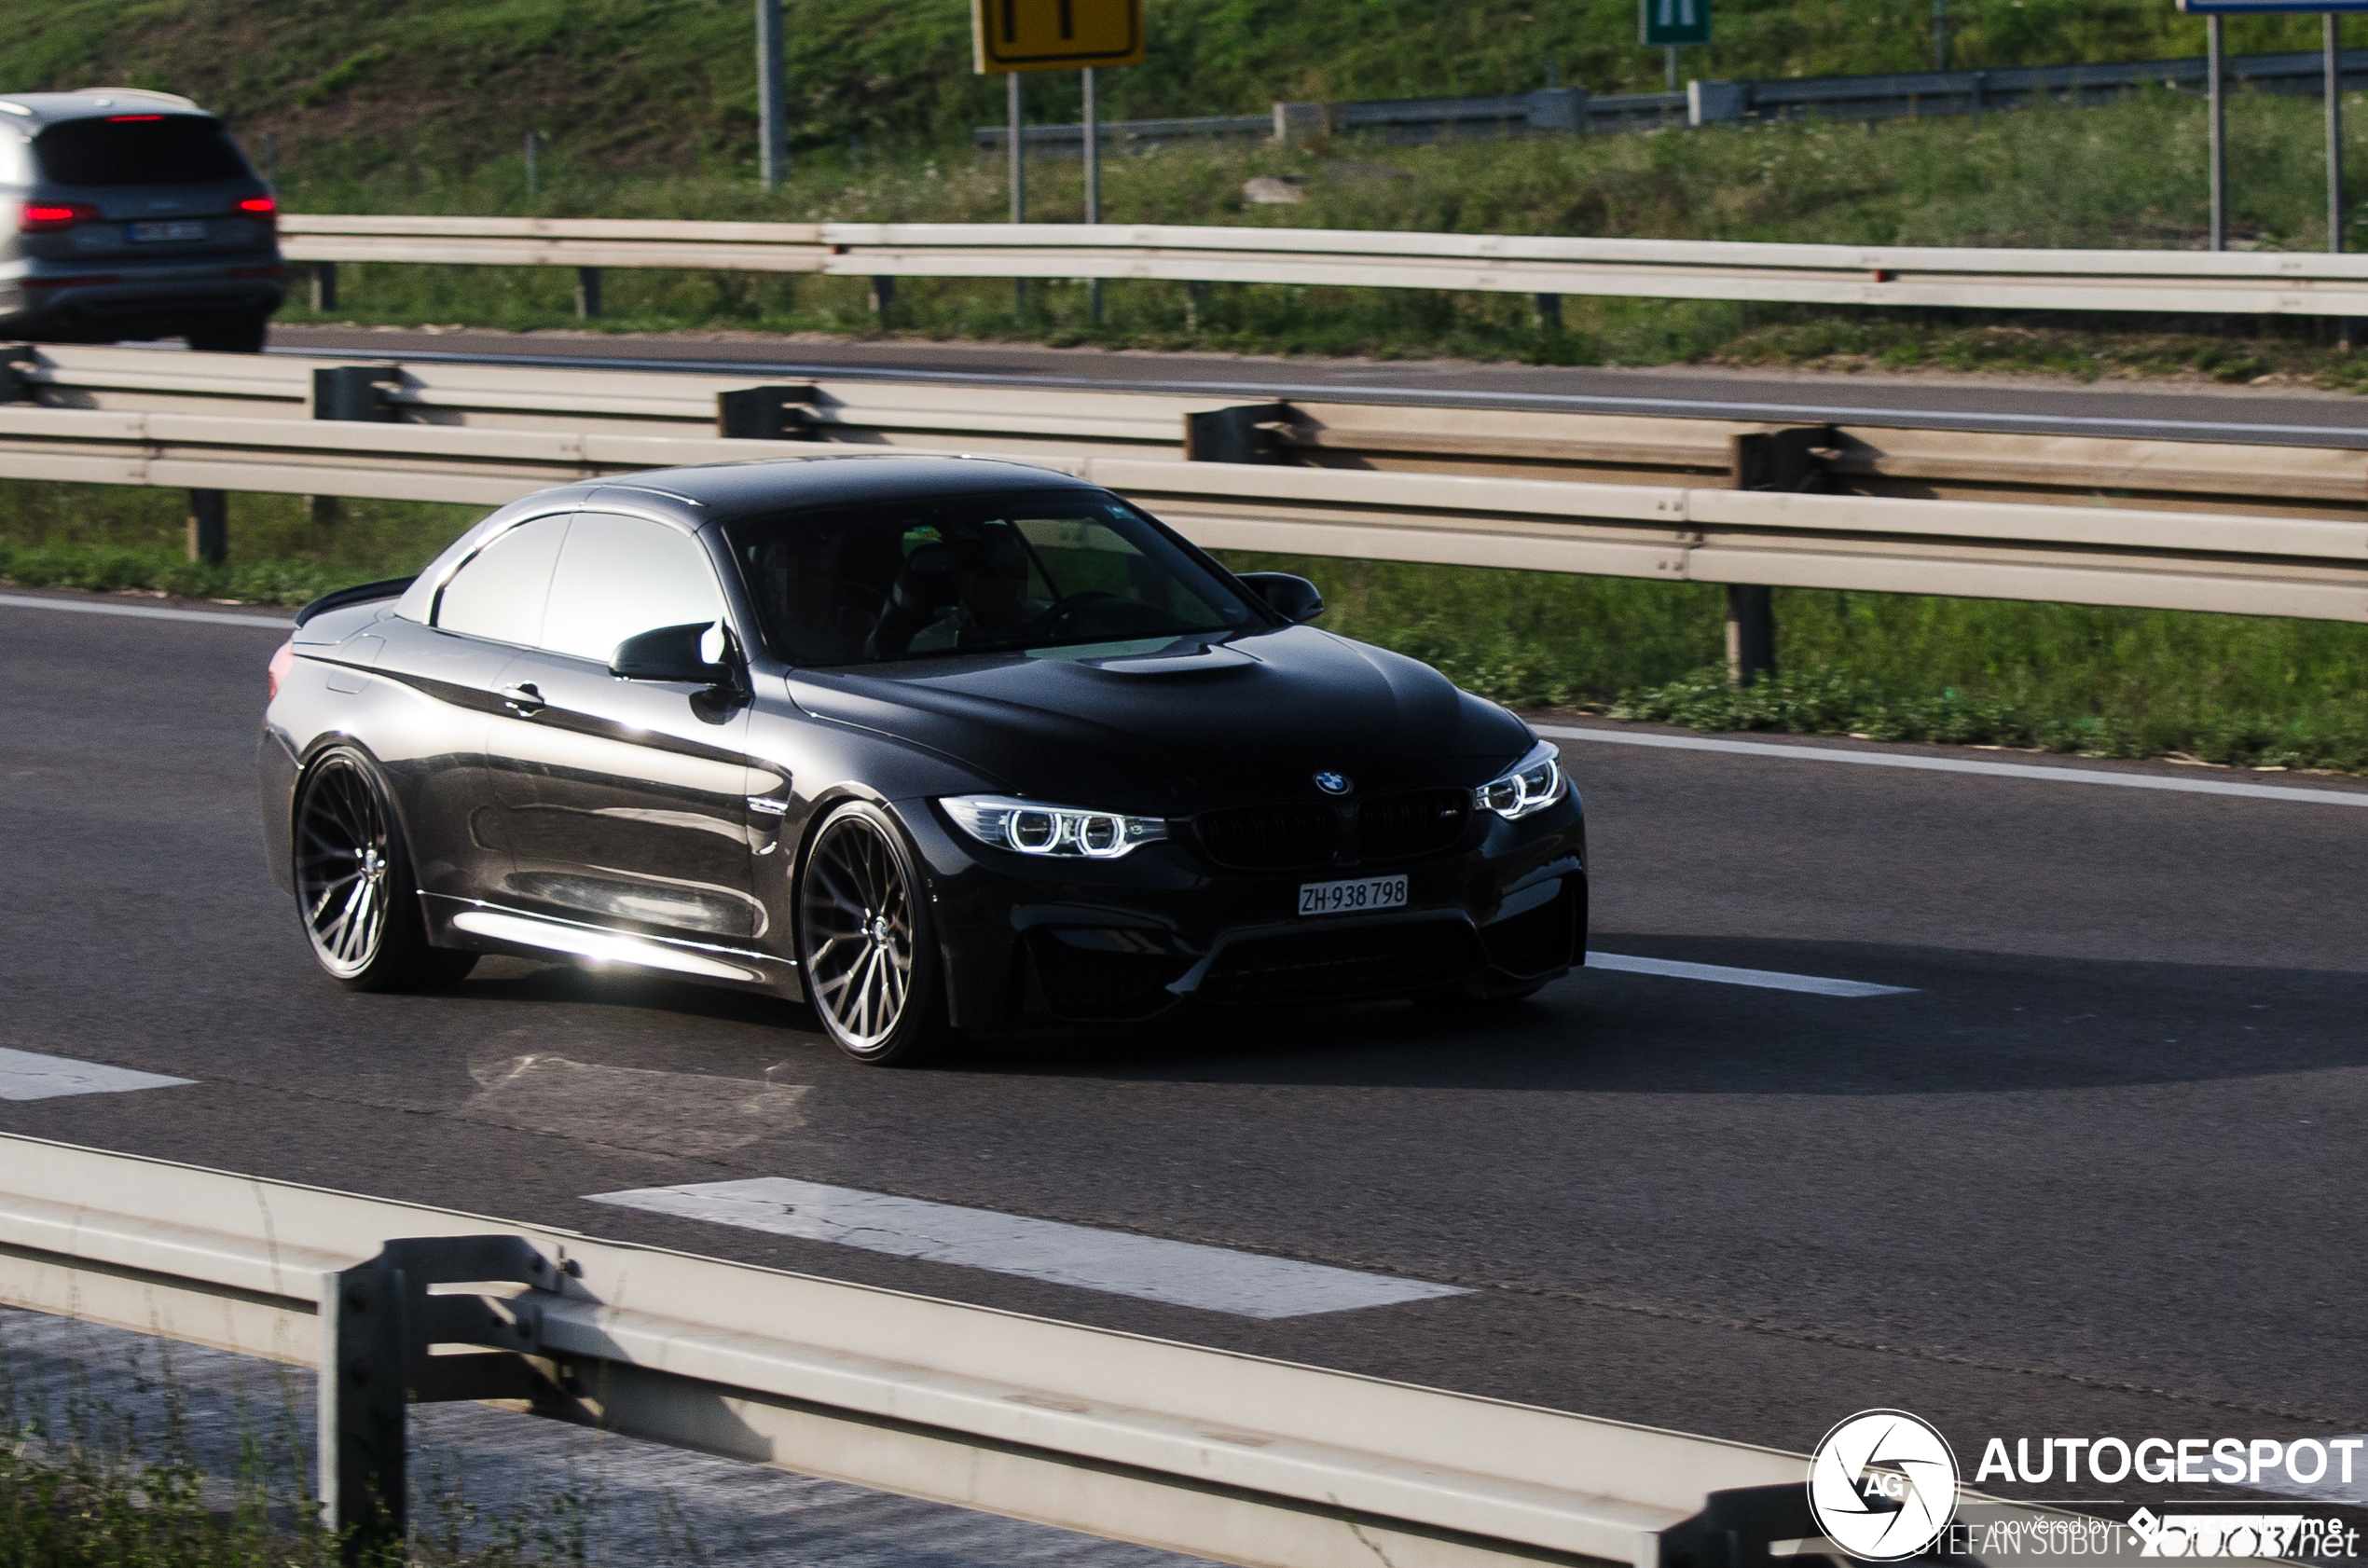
(1034, 829)
(1538, 782)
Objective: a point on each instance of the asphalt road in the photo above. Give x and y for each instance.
(2099, 1173)
(2167, 411)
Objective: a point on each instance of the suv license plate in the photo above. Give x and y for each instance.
(145, 232)
(1352, 898)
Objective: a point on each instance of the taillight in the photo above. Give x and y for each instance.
(259, 206)
(282, 662)
(52, 217)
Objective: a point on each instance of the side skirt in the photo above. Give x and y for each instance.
(478, 927)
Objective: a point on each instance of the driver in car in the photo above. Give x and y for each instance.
(992, 600)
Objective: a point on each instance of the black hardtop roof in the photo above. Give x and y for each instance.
(726, 491)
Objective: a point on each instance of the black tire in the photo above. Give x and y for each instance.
(867, 955)
(355, 890)
(231, 335)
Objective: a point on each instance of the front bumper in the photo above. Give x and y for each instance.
(1031, 939)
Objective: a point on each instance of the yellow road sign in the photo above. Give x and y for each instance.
(1007, 35)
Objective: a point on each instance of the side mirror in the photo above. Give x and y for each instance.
(1294, 598)
(697, 654)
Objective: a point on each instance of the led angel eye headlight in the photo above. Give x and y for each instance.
(1536, 783)
(1052, 829)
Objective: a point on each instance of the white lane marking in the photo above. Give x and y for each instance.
(2330, 1486)
(630, 1107)
(28, 1075)
(1767, 979)
(1952, 765)
(144, 611)
(1180, 1274)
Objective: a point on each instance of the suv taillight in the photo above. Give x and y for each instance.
(277, 670)
(260, 207)
(52, 217)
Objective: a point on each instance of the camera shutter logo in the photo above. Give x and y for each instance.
(1883, 1485)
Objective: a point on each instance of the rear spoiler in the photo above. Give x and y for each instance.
(360, 593)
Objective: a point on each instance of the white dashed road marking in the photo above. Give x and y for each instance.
(1180, 1274)
(1769, 980)
(1955, 765)
(28, 1075)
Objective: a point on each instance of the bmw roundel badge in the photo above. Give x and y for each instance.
(1333, 783)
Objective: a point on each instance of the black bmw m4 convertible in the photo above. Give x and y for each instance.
(935, 745)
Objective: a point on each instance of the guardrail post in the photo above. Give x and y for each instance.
(1558, 108)
(1248, 434)
(1196, 298)
(767, 414)
(15, 385)
(587, 292)
(1709, 102)
(883, 297)
(365, 1495)
(209, 526)
(324, 286)
(347, 391)
(378, 1322)
(1546, 312)
(1790, 460)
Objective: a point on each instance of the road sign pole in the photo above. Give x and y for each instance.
(2335, 141)
(1672, 52)
(1019, 188)
(2219, 135)
(772, 93)
(1093, 180)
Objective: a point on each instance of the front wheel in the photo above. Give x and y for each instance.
(865, 949)
(354, 886)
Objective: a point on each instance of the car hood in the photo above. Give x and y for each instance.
(1198, 724)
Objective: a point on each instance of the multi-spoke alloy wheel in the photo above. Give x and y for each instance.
(354, 883)
(869, 968)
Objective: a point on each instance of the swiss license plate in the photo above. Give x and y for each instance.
(143, 233)
(1352, 898)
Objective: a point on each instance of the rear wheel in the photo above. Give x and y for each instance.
(354, 885)
(869, 959)
(231, 335)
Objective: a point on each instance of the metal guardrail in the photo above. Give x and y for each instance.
(1561, 110)
(2304, 283)
(1705, 501)
(1864, 459)
(1225, 1456)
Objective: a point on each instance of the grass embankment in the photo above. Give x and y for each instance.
(2114, 683)
(673, 84)
(2126, 175)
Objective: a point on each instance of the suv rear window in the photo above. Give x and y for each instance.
(139, 150)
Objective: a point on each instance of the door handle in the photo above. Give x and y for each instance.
(523, 700)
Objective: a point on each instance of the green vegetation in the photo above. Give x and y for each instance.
(2114, 683)
(2131, 174)
(672, 83)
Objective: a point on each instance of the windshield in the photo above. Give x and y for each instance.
(139, 150)
(922, 579)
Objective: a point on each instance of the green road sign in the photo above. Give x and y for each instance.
(1674, 22)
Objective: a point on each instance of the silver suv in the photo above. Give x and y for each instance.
(129, 213)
